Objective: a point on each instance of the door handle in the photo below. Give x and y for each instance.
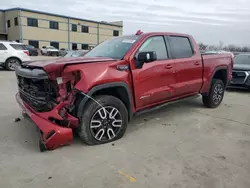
(168, 67)
(197, 63)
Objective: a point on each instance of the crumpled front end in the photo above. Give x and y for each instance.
(48, 103)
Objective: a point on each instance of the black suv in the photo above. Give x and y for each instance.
(241, 72)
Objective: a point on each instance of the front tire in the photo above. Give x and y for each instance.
(12, 63)
(216, 94)
(104, 124)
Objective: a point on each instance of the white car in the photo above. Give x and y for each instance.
(12, 54)
(49, 50)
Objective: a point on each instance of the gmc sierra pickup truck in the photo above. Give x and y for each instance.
(98, 94)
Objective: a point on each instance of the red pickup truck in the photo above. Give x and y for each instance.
(98, 94)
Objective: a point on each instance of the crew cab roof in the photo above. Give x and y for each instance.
(164, 33)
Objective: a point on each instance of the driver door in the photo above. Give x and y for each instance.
(154, 82)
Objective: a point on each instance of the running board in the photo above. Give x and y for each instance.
(165, 104)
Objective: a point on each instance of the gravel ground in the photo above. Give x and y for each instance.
(183, 145)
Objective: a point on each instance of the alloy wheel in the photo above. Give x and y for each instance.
(12, 64)
(218, 94)
(106, 123)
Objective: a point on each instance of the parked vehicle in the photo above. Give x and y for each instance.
(63, 52)
(32, 50)
(76, 53)
(98, 94)
(49, 51)
(241, 72)
(12, 54)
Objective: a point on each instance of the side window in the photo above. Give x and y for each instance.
(157, 45)
(18, 46)
(2, 47)
(180, 47)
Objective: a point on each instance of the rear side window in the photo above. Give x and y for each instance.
(18, 46)
(156, 44)
(180, 47)
(2, 47)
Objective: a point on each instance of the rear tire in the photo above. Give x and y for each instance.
(216, 94)
(12, 63)
(99, 126)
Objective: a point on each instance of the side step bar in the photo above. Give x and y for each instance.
(165, 104)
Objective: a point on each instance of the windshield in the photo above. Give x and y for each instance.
(115, 48)
(242, 59)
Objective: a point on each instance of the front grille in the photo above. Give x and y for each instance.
(40, 94)
(239, 77)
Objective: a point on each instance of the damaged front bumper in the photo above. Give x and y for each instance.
(53, 135)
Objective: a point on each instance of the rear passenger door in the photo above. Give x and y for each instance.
(188, 65)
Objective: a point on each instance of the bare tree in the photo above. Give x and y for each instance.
(220, 47)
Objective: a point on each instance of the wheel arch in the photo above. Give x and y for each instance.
(13, 57)
(221, 73)
(116, 89)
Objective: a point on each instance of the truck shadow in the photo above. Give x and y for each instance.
(164, 113)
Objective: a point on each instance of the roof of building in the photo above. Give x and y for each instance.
(62, 16)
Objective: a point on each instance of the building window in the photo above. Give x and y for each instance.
(74, 46)
(34, 43)
(32, 22)
(74, 27)
(115, 33)
(16, 20)
(85, 29)
(85, 46)
(8, 23)
(55, 44)
(53, 25)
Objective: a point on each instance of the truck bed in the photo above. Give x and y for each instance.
(210, 64)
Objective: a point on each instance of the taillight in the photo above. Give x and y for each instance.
(26, 52)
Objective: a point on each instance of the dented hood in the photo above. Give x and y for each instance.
(58, 64)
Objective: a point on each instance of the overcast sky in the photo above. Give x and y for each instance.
(209, 21)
